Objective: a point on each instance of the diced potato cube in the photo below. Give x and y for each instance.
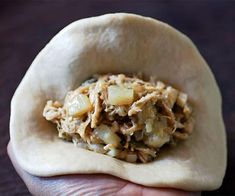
(78, 105)
(118, 95)
(157, 136)
(156, 139)
(107, 135)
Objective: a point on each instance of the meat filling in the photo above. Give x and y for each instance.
(123, 117)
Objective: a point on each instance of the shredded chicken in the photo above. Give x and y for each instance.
(123, 117)
(138, 105)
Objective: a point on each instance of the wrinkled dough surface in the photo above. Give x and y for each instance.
(120, 43)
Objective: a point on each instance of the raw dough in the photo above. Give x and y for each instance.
(120, 43)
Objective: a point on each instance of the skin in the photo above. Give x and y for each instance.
(95, 184)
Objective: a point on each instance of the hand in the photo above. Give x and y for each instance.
(87, 184)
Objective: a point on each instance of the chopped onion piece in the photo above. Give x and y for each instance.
(149, 125)
(97, 148)
(119, 95)
(113, 152)
(160, 85)
(187, 110)
(182, 99)
(171, 95)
